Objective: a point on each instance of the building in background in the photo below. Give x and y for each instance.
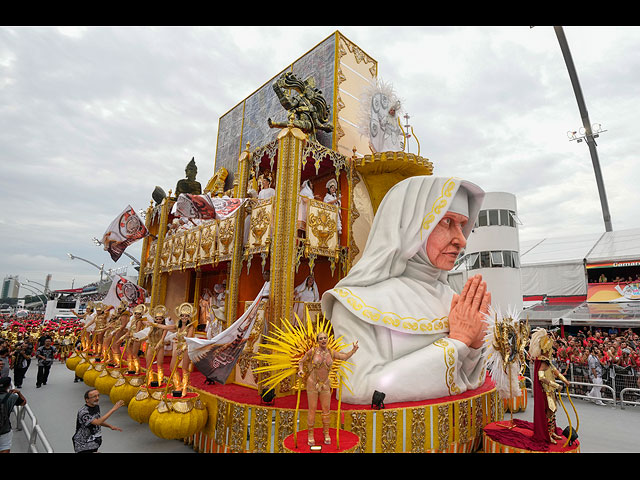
(493, 251)
(10, 287)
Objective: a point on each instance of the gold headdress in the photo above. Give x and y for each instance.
(142, 309)
(541, 344)
(185, 309)
(159, 311)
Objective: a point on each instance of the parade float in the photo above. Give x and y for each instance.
(296, 184)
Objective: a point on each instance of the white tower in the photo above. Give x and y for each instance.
(493, 251)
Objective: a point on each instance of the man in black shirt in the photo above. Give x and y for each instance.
(89, 422)
(45, 355)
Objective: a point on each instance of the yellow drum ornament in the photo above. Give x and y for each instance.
(83, 365)
(126, 388)
(178, 417)
(92, 373)
(73, 361)
(107, 379)
(145, 402)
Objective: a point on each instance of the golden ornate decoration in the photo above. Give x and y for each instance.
(425, 325)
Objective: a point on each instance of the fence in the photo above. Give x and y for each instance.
(619, 384)
(26, 422)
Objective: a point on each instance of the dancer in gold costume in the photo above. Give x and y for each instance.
(85, 319)
(100, 324)
(155, 342)
(318, 361)
(545, 387)
(185, 327)
(132, 337)
(116, 327)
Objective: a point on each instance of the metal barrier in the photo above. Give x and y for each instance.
(32, 431)
(630, 402)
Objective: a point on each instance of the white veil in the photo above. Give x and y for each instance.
(394, 284)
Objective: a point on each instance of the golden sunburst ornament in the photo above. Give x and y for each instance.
(279, 357)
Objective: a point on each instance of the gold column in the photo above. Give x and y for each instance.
(162, 230)
(145, 246)
(291, 142)
(240, 190)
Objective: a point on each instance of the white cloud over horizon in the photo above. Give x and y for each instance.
(93, 118)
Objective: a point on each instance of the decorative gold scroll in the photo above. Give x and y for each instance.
(177, 251)
(167, 251)
(208, 242)
(226, 229)
(191, 247)
(260, 228)
(322, 229)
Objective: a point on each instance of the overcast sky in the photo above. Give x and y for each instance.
(92, 119)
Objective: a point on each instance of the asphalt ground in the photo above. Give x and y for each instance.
(601, 429)
(55, 407)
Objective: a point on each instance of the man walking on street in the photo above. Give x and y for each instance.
(45, 355)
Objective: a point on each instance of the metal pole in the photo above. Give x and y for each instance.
(564, 46)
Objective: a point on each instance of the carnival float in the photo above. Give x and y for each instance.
(228, 302)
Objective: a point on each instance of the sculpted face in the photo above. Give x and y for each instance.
(446, 241)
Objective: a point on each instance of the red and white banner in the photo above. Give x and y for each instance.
(226, 207)
(125, 229)
(123, 289)
(195, 206)
(205, 207)
(216, 358)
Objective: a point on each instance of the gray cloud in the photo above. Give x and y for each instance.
(91, 119)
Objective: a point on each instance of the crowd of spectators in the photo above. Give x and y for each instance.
(618, 279)
(617, 350)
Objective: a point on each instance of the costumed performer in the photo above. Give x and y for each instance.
(85, 335)
(545, 387)
(418, 339)
(318, 361)
(307, 291)
(184, 328)
(306, 192)
(160, 325)
(136, 331)
(113, 335)
(266, 190)
(100, 324)
(216, 316)
(333, 198)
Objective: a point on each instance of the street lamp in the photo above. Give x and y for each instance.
(101, 267)
(587, 130)
(45, 289)
(596, 130)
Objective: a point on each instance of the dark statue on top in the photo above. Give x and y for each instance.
(189, 184)
(308, 110)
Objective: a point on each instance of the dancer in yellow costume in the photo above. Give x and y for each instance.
(160, 325)
(133, 335)
(185, 327)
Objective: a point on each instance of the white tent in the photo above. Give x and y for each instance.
(620, 246)
(555, 266)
